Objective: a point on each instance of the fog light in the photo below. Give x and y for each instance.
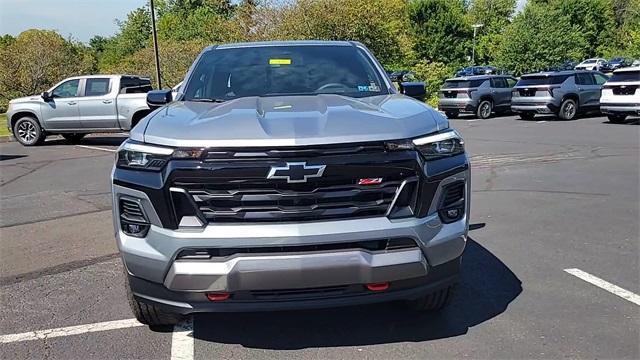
(452, 213)
(133, 229)
(219, 296)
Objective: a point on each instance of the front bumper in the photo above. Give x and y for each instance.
(159, 274)
(620, 109)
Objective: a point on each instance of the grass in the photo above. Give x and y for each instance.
(3, 125)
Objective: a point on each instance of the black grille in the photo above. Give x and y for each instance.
(262, 201)
(299, 293)
(453, 194)
(130, 210)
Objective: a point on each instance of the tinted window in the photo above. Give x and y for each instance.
(584, 79)
(600, 79)
(96, 87)
(625, 76)
(543, 80)
(66, 89)
(284, 70)
(132, 85)
(498, 83)
(457, 84)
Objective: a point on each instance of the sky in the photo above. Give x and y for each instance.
(81, 19)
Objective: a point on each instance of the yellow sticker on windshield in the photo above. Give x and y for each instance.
(279, 61)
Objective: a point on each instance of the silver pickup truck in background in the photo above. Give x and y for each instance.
(78, 106)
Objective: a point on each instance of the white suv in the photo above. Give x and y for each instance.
(592, 64)
(621, 95)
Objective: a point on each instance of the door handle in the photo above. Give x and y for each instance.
(107, 101)
(71, 103)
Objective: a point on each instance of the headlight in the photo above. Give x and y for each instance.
(440, 145)
(134, 155)
(432, 147)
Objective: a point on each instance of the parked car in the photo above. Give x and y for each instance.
(563, 93)
(636, 62)
(565, 65)
(621, 95)
(79, 106)
(592, 64)
(471, 71)
(481, 95)
(618, 62)
(401, 75)
(272, 183)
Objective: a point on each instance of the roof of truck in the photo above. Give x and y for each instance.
(286, 43)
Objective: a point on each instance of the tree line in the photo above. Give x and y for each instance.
(430, 37)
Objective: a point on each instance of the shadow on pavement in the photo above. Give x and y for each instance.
(113, 140)
(629, 121)
(10, 157)
(486, 289)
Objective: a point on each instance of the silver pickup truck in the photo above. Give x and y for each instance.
(78, 106)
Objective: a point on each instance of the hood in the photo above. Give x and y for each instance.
(25, 99)
(289, 121)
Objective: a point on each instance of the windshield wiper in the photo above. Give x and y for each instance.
(207, 100)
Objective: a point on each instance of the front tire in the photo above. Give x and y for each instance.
(433, 302)
(484, 109)
(617, 119)
(74, 138)
(28, 132)
(568, 110)
(149, 314)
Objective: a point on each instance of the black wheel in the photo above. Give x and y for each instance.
(484, 109)
(28, 132)
(150, 314)
(568, 110)
(617, 119)
(452, 114)
(527, 115)
(433, 302)
(74, 138)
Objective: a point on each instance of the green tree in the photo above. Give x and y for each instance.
(495, 16)
(134, 34)
(433, 74)
(36, 60)
(441, 31)
(538, 37)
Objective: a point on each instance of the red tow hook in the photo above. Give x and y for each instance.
(219, 296)
(377, 286)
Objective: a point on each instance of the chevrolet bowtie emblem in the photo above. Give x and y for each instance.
(296, 172)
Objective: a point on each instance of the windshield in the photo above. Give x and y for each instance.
(625, 76)
(224, 74)
(542, 80)
(590, 61)
(459, 84)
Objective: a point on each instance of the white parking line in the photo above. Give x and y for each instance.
(95, 148)
(541, 122)
(70, 330)
(182, 340)
(614, 289)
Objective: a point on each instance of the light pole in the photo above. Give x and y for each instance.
(155, 44)
(473, 50)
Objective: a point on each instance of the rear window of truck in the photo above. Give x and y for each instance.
(462, 84)
(542, 80)
(625, 76)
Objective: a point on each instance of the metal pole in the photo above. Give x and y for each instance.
(473, 49)
(155, 44)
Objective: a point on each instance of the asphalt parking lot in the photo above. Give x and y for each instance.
(551, 268)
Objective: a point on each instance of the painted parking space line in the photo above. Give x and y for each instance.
(70, 330)
(182, 346)
(614, 289)
(96, 148)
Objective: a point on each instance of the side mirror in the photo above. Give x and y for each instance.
(416, 90)
(46, 96)
(158, 98)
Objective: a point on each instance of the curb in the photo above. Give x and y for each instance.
(7, 138)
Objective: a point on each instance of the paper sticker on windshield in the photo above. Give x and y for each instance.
(368, 88)
(279, 61)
